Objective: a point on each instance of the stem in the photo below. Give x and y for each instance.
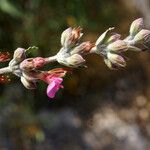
(5, 70)
(51, 59)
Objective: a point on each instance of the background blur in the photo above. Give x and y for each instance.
(99, 109)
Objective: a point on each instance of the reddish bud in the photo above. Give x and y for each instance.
(84, 47)
(38, 62)
(70, 37)
(4, 56)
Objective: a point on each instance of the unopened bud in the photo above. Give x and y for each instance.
(28, 84)
(110, 65)
(70, 37)
(27, 64)
(84, 47)
(19, 54)
(75, 60)
(117, 46)
(32, 63)
(38, 62)
(136, 26)
(64, 36)
(113, 38)
(103, 37)
(116, 59)
(142, 36)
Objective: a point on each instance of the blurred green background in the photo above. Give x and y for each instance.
(98, 109)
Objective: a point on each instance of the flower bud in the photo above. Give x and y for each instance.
(117, 46)
(114, 37)
(136, 26)
(142, 36)
(70, 37)
(116, 59)
(75, 60)
(110, 65)
(32, 63)
(76, 33)
(38, 62)
(64, 36)
(19, 54)
(27, 64)
(84, 47)
(28, 84)
(103, 37)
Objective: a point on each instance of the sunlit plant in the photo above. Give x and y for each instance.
(109, 45)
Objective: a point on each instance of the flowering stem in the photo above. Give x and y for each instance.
(5, 70)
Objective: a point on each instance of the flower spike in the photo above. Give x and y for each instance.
(72, 54)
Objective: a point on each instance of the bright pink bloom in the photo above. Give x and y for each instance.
(53, 78)
(54, 86)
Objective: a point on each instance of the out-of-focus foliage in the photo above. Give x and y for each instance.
(9, 8)
(105, 109)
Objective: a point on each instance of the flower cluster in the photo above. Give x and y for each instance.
(72, 51)
(111, 46)
(71, 54)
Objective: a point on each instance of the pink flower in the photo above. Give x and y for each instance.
(54, 86)
(54, 79)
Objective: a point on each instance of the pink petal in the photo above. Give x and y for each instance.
(57, 80)
(51, 90)
(54, 86)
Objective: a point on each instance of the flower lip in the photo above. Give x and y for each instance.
(54, 86)
(54, 79)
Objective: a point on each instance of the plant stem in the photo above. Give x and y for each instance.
(51, 59)
(5, 70)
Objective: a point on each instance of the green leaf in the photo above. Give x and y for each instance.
(9, 8)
